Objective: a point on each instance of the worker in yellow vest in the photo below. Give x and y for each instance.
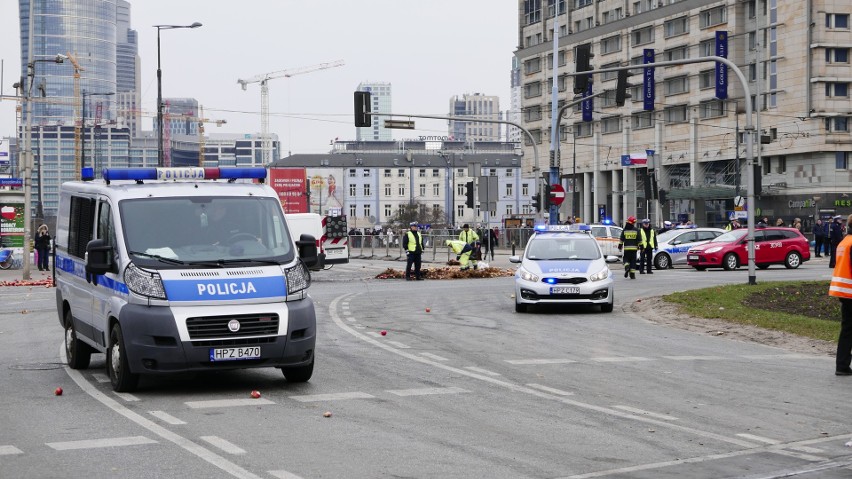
(841, 287)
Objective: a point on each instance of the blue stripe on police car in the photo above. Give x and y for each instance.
(225, 289)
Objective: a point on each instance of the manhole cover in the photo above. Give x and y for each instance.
(36, 366)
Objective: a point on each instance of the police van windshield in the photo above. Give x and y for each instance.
(567, 248)
(205, 230)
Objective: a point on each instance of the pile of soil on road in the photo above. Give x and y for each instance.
(449, 273)
(809, 299)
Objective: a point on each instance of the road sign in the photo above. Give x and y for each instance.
(399, 124)
(557, 194)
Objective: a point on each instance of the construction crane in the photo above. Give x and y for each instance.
(78, 126)
(201, 141)
(263, 79)
(169, 117)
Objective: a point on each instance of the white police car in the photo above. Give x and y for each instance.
(563, 265)
(673, 245)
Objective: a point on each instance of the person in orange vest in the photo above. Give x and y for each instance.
(841, 287)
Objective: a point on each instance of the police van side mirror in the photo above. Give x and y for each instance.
(307, 246)
(99, 257)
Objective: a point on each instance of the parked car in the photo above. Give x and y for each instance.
(607, 236)
(673, 245)
(772, 245)
(562, 265)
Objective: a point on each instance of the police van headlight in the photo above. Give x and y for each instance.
(144, 283)
(298, 278)
(600, 275)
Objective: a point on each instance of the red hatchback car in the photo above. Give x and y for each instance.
(772, 245)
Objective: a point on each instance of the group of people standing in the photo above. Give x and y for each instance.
(637, 246)
(827, 236)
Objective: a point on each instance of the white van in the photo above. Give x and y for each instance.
(182, 269)
(332, 239)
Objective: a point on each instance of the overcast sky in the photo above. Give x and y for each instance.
(428, 51)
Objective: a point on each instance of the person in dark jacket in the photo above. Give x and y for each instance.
(629, 245)
(42, 247)
(819, 238)
(647, 245)
(412, 244)
(835, 236)
(826, 244)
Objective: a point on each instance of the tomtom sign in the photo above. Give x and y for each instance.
(290, 184)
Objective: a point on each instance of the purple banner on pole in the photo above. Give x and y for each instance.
(721, 68)
(588, 105)
(648, 80)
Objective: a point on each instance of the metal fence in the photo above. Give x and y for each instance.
(510, 241)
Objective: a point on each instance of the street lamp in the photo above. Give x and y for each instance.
(160, 89)
(83, 123)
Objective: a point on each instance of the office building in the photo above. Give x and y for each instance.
(478, 107)
(795, 57)
(380, 96)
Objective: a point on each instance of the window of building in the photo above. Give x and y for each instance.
(366, 211)
(436, 173)
(837, 55)
(353, 190)
(582, 3)
(838, 21)
(837, 90)
(525, 189)
(460, 190)
(711, 109)
(388, 211)
(533, 65)
(707, 79)
(610, 75)
(676, 114)
(642, 36)
(353, 210)
(367, 191)
(509, 210)
(459, 211)
(387, 189)
(781, 167)
(707, 48)
(608, 99)
(536, 134)
(611, 44)
(841, 160)
(752, 72)
(422, 189)
(532, 90)
(642, 6)
(643, 119)
(532, 11)
(677, 85)
(611, 124)
(401, 190)
(582, 130)
(837, 124)
(613, 15)
(422, 173)
(676, 53)
(509, 173)
(509, 189)
(676, 26)
(366, 172)
(532, 113)
(436, 189)
(352, 173)
(713, 16)
(387, 173)
(636, 93)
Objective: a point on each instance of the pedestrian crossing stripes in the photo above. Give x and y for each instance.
(227, 403)
(100, 443)
(427, 391)
(9, 450)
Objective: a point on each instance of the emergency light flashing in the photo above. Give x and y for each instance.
(184, 173)
(581, 227)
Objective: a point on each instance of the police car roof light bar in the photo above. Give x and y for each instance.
(184, 173)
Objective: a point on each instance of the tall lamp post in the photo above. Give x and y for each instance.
(160, 88)
(83, 124)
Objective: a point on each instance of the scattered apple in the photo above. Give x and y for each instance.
(384, 333)
(428, 310)
(255, 394)
(326, 414)
(57, 391)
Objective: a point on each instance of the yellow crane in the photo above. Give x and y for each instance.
(78, 126)
(201, 140)
(266, 141)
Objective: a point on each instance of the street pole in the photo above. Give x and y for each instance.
(554, 126)
(28, 157)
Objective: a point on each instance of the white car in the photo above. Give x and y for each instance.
(673, 244)
(608, 236)
(563, 265)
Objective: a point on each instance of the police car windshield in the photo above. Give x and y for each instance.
(563, 247)
(206, 230)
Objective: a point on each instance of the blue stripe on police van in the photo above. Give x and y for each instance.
(78, 269)
(225, 289)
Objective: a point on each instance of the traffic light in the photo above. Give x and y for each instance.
(545, 200)
(536, 201)
(582, 63)
(621, 87)
(662, 196)
(362, 108)
(468, 194)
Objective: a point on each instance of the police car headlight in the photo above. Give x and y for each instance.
(527, 276)
(600, 275)
(714, 249)
(144, 283)
(298, 278)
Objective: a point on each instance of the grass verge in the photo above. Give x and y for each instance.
(782, 306)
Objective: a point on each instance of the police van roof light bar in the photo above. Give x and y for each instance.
(184, 173)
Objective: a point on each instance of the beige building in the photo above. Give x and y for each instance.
(795, 55)
(477, 107)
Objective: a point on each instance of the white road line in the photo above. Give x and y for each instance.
(127, 397)
(283, 475)
(96, 443)
(331, 397)
(227, 403)
(350, 319)
(762, 439)
(811, 450)
(780, 356)
(550, 390)
(166, 418)
(360, 326)
(427, 391)
(189, 446)
(695, 358)
(224, 445)
(374, 333)
(539, 361)
(642, 412)
(482, 371)
(9, 450)
(100, 377)
(399, 345)
(617, 359)
(799, 455)
(434, 356)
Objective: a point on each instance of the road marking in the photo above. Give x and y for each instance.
(799, 455)
(427, 391)
(227, 403)
(434, 356)
(127, 397)
(539, 361)
(762, 439)
(331, 397)
(96, 443)
(482, 371)
(100, 377)
(400, 345)
(781, 356)
(360, 326)
(166, 418)
(695, 358)
(223, 444)
(642, 412)
(618, 359)
(9, 450)
(550, 390)
(193, 448)
(811, 450)
(283, 475)
(351, 319)
(374, 333)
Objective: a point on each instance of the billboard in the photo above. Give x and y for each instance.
(290, 185)
(5, 159)
(12, 224)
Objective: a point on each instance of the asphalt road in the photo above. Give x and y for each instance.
(461, 386)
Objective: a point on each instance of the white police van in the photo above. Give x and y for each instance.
(182, 269)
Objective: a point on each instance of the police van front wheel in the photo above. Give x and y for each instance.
(117, 365)
(77, 353)
(299, 374)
